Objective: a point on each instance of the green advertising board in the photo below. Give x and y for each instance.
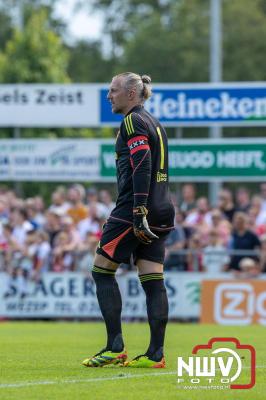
(204, 160)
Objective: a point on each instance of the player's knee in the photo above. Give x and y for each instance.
(100, 274)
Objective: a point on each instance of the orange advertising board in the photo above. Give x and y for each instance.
(233, 302)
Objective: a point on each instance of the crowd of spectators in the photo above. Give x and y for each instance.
(63, 236)
(231, 236)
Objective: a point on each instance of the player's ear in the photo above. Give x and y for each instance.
(131, 94)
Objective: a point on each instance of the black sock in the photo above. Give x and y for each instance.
(110, 303)
(157, 309)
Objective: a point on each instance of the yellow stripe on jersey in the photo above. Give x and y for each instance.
(129, 125)
(162, 147)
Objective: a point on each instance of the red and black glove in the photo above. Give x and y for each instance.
(141, 227)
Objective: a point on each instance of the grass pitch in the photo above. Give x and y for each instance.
(41, 361)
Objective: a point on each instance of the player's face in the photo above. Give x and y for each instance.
(118, 96)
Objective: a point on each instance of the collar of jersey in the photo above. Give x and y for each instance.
(135, 108)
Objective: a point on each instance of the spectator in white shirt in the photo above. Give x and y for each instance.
(20, 225)
(215, 257)
(91, 224)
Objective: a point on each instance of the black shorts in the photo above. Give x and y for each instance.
(118, 243)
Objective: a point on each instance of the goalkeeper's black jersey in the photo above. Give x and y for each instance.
(142, 169)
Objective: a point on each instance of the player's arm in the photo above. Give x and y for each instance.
(140, 159)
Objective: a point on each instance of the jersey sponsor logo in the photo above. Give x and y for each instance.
(161, 177)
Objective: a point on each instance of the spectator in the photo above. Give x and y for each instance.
(21, 266)
(201, 216)
(93, 199)
(40, 210)
(9, 247)
(194, 257)
(249, 269)
(258, 229)
(20, 225)
(242, 199)
(263, 253)
(215, 257)
(86, 252)
(77, 210)
(59, 203)
(4, 211)
(106, 199)
(257, 210)
(222, 225)
(176, 241)
(69, 227)
(226, 204)
(32, 213)
(62, 258)
(91, 224)
(52, 226)
(188, 201)
(263, 195)
(242, 239)
(42, 254)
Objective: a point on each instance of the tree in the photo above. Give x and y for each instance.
(170, 39)
(87, 63)
(35, 54)
(244, 32)
(5, 29)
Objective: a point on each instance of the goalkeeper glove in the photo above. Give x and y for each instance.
(141, 227)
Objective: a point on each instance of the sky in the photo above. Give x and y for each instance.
(80, 24)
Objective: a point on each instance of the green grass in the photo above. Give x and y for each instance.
(51, 352)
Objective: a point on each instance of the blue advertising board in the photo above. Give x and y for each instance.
(227, 104)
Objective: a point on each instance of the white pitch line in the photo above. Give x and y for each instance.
(90, 380)
(112, 378)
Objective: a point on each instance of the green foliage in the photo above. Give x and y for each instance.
(93, 68)
(163, 46)
(244, 32)
(34, 55)
(5, 29)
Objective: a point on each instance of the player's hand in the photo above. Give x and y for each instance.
(141, 227)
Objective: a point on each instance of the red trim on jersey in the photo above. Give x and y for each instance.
(145, 155)
(136, 138)
(110, 247)
(138, 148)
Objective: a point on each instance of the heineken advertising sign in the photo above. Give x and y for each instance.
(206, 160)
(226, 104)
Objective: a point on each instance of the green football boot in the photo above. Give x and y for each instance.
(143, 361)
(105, 357)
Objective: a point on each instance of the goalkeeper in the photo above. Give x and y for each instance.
(138, 225)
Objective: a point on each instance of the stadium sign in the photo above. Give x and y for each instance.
(228, 104)
(234, 303)
(49, 160)
(199, 160)
(72, 160)
(73, 295)
(49, 105)
(86, 105)
(93, 160)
